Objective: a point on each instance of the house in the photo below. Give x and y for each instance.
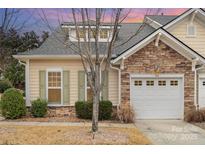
(160, 71)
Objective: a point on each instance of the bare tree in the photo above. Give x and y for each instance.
(88, 24)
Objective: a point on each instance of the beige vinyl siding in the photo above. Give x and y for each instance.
(113, 86)
(73, 66)
(198, 42)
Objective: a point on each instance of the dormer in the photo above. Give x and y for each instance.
(105, 32)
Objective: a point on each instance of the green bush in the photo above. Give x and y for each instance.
(4, 85)
(12, 104)
(84, 110)
(39, 108)
(105, 110)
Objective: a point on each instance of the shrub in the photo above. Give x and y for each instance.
(12, 104)
(39, 108)
(4, 85)
(125, 113)
(195, 116)
(84, 110)
(105, 110)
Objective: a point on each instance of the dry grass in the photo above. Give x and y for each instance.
(125, 113)
(11, 134)
(196, 116)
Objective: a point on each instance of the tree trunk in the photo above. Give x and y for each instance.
(96, 100)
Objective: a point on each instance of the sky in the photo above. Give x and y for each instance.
(40, 19)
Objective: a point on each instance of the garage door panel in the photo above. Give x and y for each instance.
(161, 100)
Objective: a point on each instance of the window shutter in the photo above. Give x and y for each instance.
(104, 80)
(42, 84)
(66, 87)
(81, 85)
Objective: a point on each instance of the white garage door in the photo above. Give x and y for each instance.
(157, 98)
(202, 92)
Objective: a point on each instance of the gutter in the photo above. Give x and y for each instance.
(22, 63)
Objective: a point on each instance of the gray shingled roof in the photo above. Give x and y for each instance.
(55, 45)
(162, 19)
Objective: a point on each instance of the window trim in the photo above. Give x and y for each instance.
(174, 81)
(55, 70)
(86, 82)
(139, 83)
(101, 32)
(162, 83)
(149, 83)
(187, 32)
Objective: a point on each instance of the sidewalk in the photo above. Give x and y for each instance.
(87, 124)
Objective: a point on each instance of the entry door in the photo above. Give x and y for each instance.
(201, 92)
(157, 98)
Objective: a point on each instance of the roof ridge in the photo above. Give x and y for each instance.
(163, 15)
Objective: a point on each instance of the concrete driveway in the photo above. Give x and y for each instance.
(171, 132)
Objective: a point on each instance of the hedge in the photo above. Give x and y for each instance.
(84, 110)
(39, 108)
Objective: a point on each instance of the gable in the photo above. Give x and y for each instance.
(168, 39)
(196, 42)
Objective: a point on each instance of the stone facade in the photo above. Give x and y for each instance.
(167, 60)
(61, 111)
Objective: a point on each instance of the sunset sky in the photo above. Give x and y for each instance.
(34, 17)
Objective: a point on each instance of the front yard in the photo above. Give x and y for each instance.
(25, 134)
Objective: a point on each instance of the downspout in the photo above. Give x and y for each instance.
(195, 86)
(119, 82)
(26, 80)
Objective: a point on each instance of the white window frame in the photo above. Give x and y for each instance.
(188, 35)
(86, 84)
(55, 70)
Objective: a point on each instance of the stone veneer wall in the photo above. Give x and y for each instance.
(61, 111)
(168, 60)
(67, 111)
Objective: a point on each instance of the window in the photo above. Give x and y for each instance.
(191, 30)
(104, 34)
(150, 83)
(54, 87)
(162, 83)
(81, 33)
(174, 83)
(89, 91)
(93, 33)
(138, 83)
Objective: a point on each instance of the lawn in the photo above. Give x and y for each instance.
(14, 134)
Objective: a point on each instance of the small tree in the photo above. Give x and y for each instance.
(87, 25)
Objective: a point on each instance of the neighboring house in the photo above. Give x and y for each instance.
(159, 71)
